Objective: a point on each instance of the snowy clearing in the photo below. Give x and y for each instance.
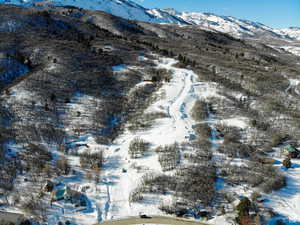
(286, 201)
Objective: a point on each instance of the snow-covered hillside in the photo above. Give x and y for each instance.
(124, 8)
(293, 32)
(227, 24)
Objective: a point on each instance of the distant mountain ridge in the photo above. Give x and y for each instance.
(130, 10)
(122, 8)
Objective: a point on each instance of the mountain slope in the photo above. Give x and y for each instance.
(123, 8)
(130, 10)
(231, 25)
(183, 121)
(293, 32)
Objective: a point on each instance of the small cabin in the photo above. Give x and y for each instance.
(67, 193)
(289, 151)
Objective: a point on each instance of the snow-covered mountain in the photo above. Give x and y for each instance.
(123, 8)
(130, 10)
(228, 24)
(293, 32)
(233, 26)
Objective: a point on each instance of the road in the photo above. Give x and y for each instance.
(152, 221)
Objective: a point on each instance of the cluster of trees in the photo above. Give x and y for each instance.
(243, 209)
(194, 183)
(185, 61)
(137, 148)
(169, 156)
(35, 158)
(138, 100)
(156, 48)
(144, 121)
(263, 176)
(160, 75)
(200, 110)
(197, 183)
(63, 166)
(93, 160)
(203, 131)
(201, 152)
(32, 204)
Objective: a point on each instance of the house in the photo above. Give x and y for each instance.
(289, 151)
(11, 218)
(58, 195)
(66, 193)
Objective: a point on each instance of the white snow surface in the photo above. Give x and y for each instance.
(240, 122)
(286, 201)
(293, 32)
(227, 24)
(123, 8)
(292, 49)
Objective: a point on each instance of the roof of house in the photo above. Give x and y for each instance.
(11, 217)
(66, 191)
(290, 148)
(58, 194)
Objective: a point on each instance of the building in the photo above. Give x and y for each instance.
(13, 218)
(66, 193)
(289, 151)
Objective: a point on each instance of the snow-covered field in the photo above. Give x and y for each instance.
(286, 201)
